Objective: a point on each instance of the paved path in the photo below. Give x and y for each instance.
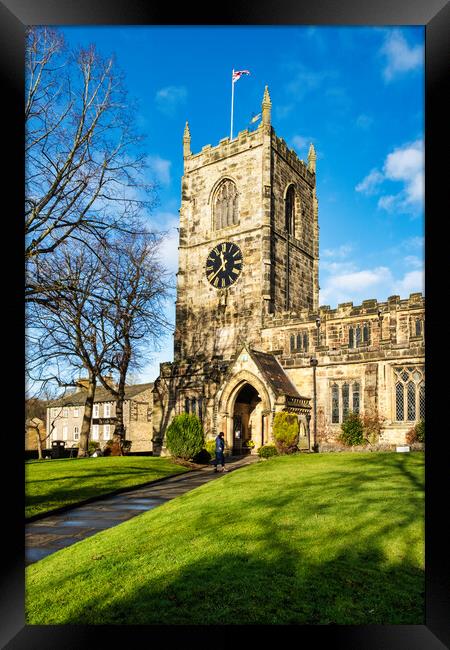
(49, 534)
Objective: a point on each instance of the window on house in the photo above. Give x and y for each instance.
(225, 205)
(95, 428)
(186, 405)
(64, 433)
(76, 413)
(292, 343)
(106, 432)
(65, 413)
(290, 210)
(76, 433)
(409, 391)
(96, 411)
(350, 338)
(107, 410)
(418, 327)
(358, 336)
(299, 341)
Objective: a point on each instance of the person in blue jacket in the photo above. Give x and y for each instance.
(220, 457)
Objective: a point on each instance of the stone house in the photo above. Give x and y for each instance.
(65, 416)
(249, 327)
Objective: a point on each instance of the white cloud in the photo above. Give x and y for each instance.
(169, 98)
(340, 252)
(169, 223)
(412, 282)
(370, 183)
(405, 165)
(356, 286)
(160, 168)
(400, 57)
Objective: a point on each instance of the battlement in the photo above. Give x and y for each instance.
(369, 307)
(292, 159)
(245, 140)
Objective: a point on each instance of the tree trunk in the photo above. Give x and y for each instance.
(83, 451)
(39, 443)
(119, 431)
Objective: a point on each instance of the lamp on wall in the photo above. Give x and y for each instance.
(318, 330)
(313, 363)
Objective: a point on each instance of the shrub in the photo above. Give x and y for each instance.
(184, 438)
(417, 433)
(372, 425)
(285, 432)
(266, 451)
(210, 446)
(352, 430)
(93, 446)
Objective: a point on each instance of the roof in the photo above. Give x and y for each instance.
(101, 395)
(274, 373)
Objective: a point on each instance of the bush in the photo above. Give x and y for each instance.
(352, 430)
(210, 447)
(184, 438)
(266, 451)
(93, 446)
(203, 457)
(285, 432)
(417, 433)
(372, 425)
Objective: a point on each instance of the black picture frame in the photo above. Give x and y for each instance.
(434, 15)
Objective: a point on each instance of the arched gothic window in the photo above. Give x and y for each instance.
(225, 205)
(409, 393)
(290, 210)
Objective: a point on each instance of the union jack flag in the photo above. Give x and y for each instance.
(237, 74)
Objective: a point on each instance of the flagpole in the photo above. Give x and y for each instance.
(232, 104)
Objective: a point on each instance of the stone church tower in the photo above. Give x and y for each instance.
(256, 194)
(248, 320)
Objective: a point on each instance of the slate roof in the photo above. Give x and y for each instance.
(101, 395)
(274, 373)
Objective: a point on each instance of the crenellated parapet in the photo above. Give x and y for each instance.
(290, 156)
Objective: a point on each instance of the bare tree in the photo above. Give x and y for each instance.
(84, 168)
(71, 333)
(136, 287)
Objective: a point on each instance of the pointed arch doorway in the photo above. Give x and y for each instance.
(246, 418)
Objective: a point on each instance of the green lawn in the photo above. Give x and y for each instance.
(306, 539)
(50, 484)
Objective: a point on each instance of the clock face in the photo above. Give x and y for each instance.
(224, 265)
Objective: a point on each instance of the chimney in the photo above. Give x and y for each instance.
(109, 380)
(83, 383)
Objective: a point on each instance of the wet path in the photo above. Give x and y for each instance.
(49, 534)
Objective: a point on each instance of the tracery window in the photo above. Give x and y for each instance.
(290, 210)
(194, 406)
(226, 205)
(409, 391)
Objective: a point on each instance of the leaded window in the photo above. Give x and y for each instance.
(358, 336)
(418, 327)
(299, 342)
(345, 401)
(350, 338)
(290, 210)
(365, 334)
(343, 394)
(305, 342)
(226, 205)
(409, 393)
(355, 398)
(335, 404)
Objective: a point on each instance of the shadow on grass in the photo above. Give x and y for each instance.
(235, 589)
(346, 555)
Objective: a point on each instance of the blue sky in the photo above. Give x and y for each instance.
(357, 93)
